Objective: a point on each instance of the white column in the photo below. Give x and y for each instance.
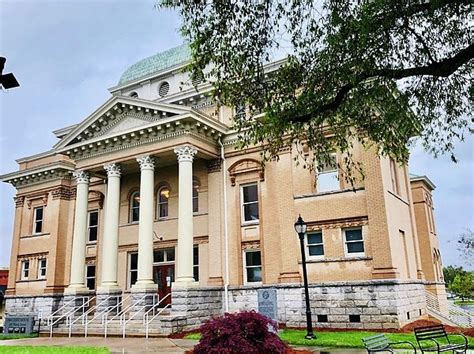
(78, 257)
(145, 226)
(184, 271)
(111, 228)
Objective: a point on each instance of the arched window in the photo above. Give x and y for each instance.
(195, 195)
(163, 198)
(134, 94)
(135, 207)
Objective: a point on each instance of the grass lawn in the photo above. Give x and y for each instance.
(349, 339)
(52, 350)
(466, 302)
(17, 336)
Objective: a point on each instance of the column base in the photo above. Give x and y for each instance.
(179, 284)
(385, 273)
(76, 290)
(290, 277)
(144, 287)
(109, 290)
(215, 281)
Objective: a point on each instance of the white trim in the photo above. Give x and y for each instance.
(130, 211)
(94, 277)
(353, 254)
(89, 227)
(35, 211)
(242, 210)
(23, 269)
(307, 245)
(158, 203)
(39, 276)
(244, 253)
(129, 270)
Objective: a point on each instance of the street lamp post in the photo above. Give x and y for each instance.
(300, 227)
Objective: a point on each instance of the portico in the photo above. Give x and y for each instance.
(109, 249)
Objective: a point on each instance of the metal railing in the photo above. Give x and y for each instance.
(145, 307)
(58, 315)
(449, 313)
(146, 315)
(86, 321)
(70, 319)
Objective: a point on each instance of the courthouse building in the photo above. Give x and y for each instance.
(149, 194)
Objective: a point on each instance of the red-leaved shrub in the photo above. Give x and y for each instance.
(244, 332)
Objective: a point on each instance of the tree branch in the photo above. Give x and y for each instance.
(443, 68)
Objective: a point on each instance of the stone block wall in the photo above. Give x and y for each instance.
(33, 305)
(379, 304)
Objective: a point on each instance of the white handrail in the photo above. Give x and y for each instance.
(117, 306)
(124, 322)
(452, 313)
(69, 319)
(147, 320)
(85, 320)
(50, 319)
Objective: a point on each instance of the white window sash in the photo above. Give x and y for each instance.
(308, 245)
(243, 204)
(353, 254)
(249, 267)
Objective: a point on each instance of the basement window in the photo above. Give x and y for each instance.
(354, 318)
(322, 318)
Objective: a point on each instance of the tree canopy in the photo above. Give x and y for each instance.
(379, 72)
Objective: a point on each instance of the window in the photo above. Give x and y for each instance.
(249, 197)
(354, 318)
(90, 276)
(134, 94)
(25, 270)
(163, 198)
(394, 177)
(164, 89)
(38, 220)
(240, 112)
(164, 255)
(354, 242)
(133, 268)
(196, 263)
(135, 207)
(253, 267)
(92, 225)
(314, 242)
(327, 177)
(322, 318)
(195, 195)
(42, 268)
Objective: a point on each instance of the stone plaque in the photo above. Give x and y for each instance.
(19, 324)
(267, 303)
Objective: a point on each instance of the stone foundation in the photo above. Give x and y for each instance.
(39, 305)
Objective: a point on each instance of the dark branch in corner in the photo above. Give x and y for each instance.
(443, 68)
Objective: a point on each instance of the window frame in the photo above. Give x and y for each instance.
(130, 270)
(94, 277)
(40, 268)
(23, 269)
(131, 207)
(243, 204)
(308, 245)
(346, 251)
(35, 220)
(196, 264)
(394, 177)
(196, 186)
(89, 226)
(327, 172)
(159, 203)
(244, 256)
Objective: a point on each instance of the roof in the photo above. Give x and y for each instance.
(425, 179)
(156, 63)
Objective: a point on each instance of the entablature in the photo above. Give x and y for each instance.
(46, 173)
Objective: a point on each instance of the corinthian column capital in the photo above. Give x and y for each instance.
(185, 153)
(146, 162)
(113, 170)
(81, 176)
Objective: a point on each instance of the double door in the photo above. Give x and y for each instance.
(163, 275)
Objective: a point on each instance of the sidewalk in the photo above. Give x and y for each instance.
(142, 345)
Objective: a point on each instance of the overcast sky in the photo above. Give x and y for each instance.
(65, 54)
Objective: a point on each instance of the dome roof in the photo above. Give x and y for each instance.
(158, 62)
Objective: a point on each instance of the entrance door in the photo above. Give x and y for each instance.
(164, 276)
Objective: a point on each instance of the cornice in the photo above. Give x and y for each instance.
(192, 124)
(42, 174)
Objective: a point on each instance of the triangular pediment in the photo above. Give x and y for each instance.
(119, 114)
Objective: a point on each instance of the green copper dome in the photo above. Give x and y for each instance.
(155, 63)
